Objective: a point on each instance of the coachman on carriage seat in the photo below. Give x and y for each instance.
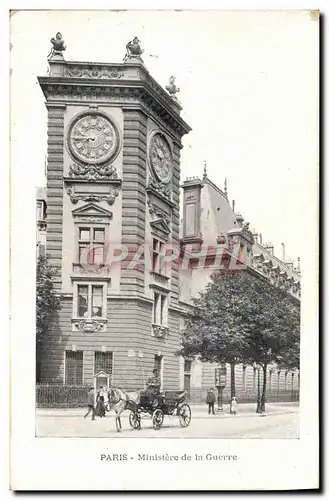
(152, 394)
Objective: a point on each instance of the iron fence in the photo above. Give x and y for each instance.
(73, 396)
(282, 396)
(61, 396)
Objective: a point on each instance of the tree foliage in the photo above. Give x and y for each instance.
(47, 303)
(241, 317)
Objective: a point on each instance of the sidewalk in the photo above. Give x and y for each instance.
(198, 410)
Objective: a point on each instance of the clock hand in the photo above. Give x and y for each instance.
(80, 138)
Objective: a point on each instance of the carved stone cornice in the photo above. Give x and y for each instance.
(89, 324)
(91, 211)
(98, 71)
(162, 287)
(132, 70)
(118, 84)
(86, 271)
(160, 331)
(93, 172)
(159, 278)
(157, 212)
(109, 198)
(161, 191)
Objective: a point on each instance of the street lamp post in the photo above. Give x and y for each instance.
(220, 383)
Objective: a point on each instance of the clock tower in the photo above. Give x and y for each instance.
(113, 176)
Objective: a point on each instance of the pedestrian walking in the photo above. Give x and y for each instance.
(91, 403)
(233, 406)
(101, 402)
(211, 398)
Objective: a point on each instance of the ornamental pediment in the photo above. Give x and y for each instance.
(160, 225)
(92, 210)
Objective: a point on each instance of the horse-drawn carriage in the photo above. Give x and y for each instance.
(171, 403)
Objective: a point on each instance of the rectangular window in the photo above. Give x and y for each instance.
(82, 301)
(74, 367)
(160, 309)
(187, 375)
(155, 307)
(84, 234)
(39, 211)
(97, 301)
(157, 256)
(103, 362)
(90, 301)
(158, 363)
(187, 366)
(91, 245)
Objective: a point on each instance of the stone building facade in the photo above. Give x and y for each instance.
(109, 212)
(209, 224)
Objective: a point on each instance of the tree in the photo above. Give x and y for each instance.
(273, 330)
(241, 317)
(47, 303)
(215, 330)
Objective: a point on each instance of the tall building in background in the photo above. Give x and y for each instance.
(111, 210)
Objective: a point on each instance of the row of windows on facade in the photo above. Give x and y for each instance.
(91, 249)
(270, 382)
(270, 385)
(103, 361)
(91, 298)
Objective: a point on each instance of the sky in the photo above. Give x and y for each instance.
(248, 86)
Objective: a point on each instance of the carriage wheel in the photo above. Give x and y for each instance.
(157, 419)
(135, 420)
(184, 414)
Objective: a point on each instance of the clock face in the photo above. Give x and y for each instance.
(93, 138)
(160, 157)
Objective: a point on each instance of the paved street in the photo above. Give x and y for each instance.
(281, 421)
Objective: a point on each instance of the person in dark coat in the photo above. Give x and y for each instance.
(211, 398)
(101, 402)
(153, 388)
(154, 383)
(91, 403)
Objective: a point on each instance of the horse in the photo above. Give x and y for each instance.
(119, 401)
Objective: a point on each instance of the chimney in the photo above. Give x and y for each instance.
(283, 252)
(233, 206)
(298, 264)
(255, 235)
(192, 210)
